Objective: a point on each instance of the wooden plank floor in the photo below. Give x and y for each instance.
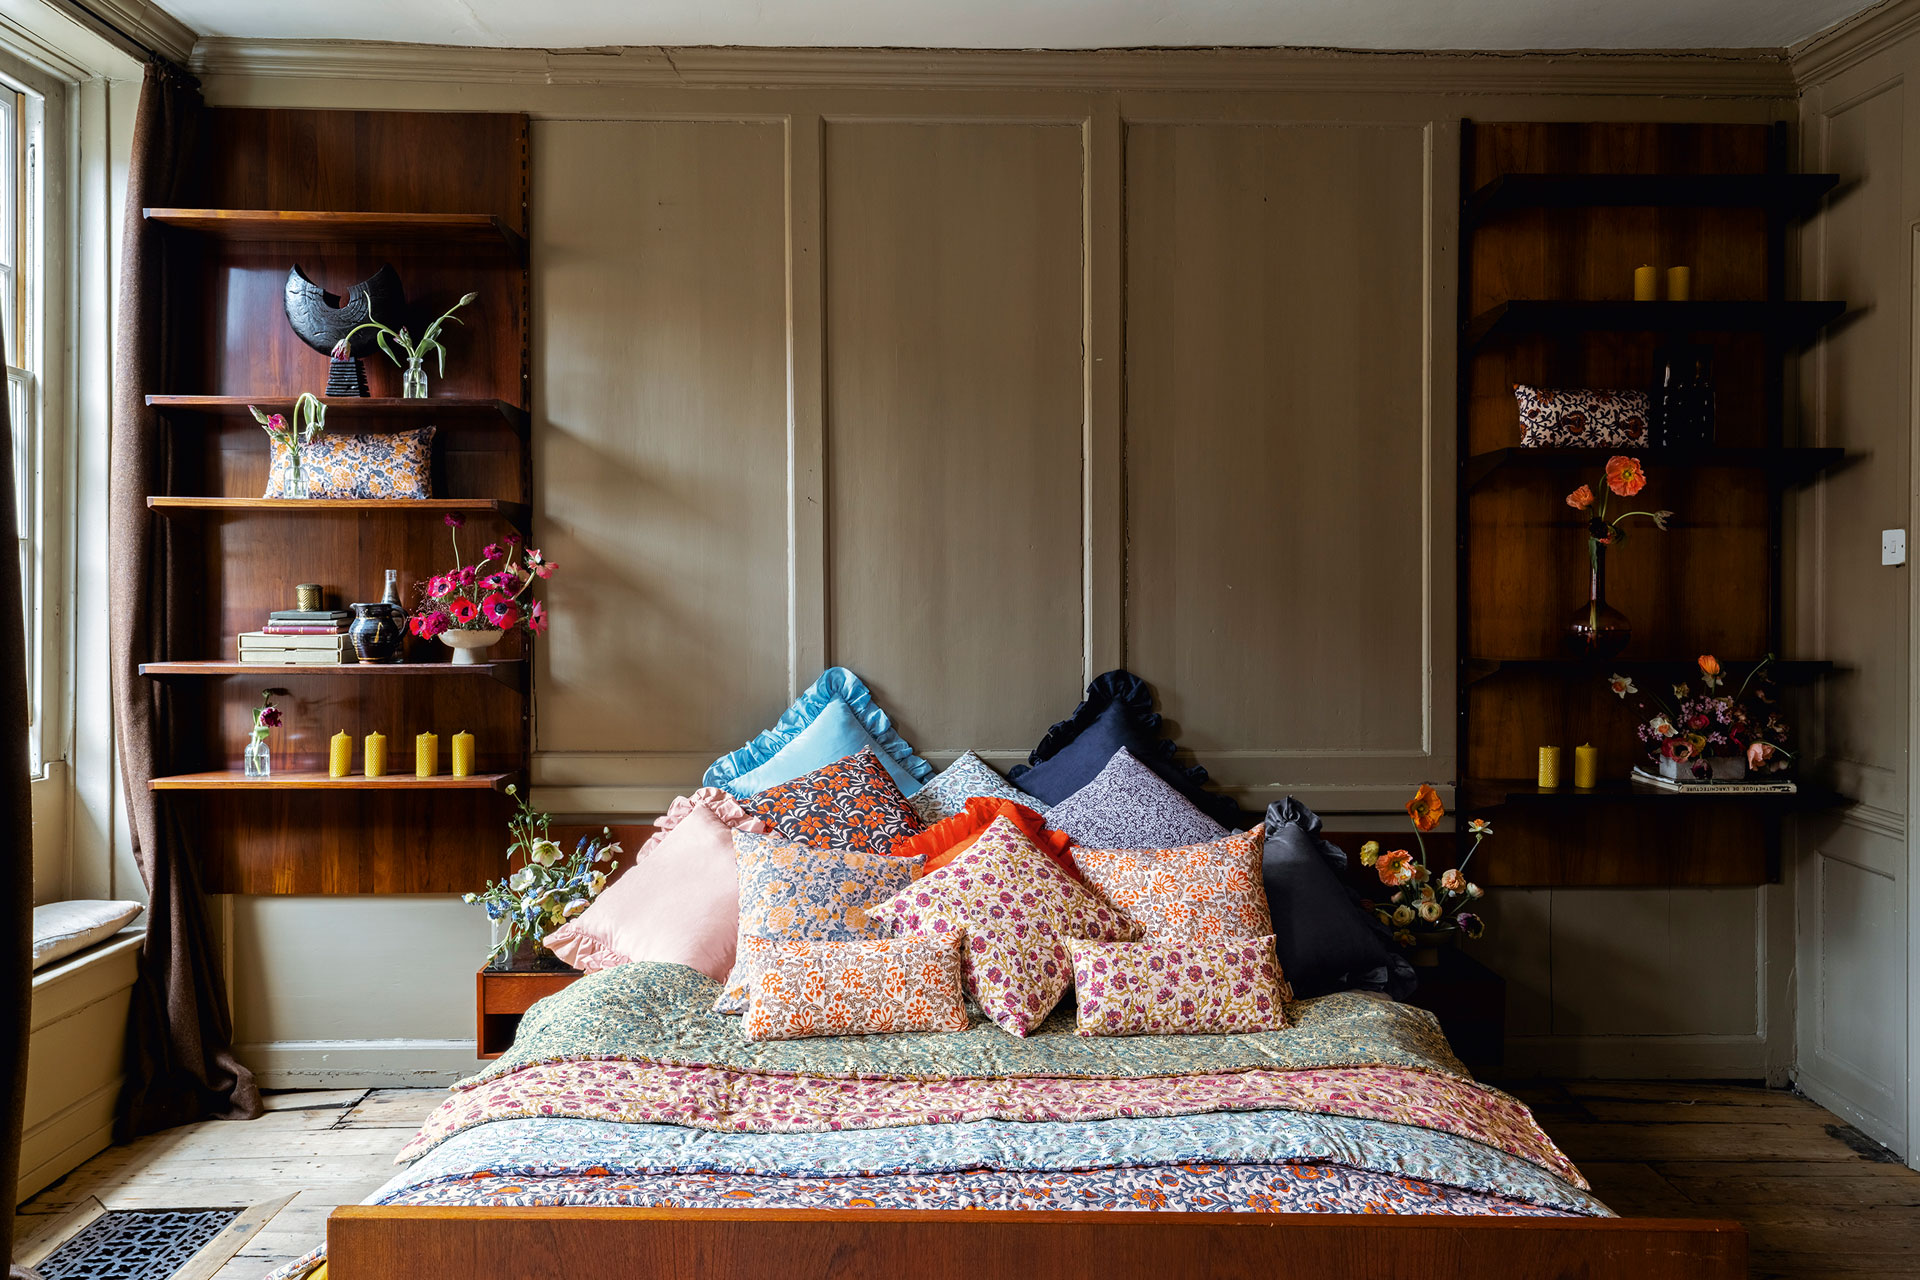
(1818, 1198)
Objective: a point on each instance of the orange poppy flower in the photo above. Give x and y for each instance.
(1580, 499)
(1625, 476)
(1425, 808)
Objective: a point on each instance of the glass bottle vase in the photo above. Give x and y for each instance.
(1597, 629)
(413, 383)
(295, 479)
(259, 758)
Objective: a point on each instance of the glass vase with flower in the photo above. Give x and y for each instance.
(1597, 629)
(1426, 911)
(547, 887)
(287, 442)
(257, 760)
(471, 606)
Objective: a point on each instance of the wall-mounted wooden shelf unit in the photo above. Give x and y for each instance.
(318, 780)
(352, 412)
(1476, 669)
(1791, 323)
(467, 231)
(1788, 466)
(513, 512)
(1484, 794)
(511, 672)
(1791, 195)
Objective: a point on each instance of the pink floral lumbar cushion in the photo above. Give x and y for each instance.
(873, 987)
(1190, 988)
(679, 902)
(1017, 909)
(1210, 890)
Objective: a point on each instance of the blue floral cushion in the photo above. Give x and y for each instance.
(947, 795)
(835, 719)
(1118, 712)
(392, 465)
(1129, 806)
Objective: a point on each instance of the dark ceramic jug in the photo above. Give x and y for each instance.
(375, 633)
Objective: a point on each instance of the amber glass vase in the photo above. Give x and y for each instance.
(1597, 629)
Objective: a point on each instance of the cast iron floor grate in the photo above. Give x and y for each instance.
(135, 1244)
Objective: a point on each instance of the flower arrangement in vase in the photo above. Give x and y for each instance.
(413, 377)
(287, 439)
(1711, 735)
(257, 761)
(470, 607)
(1427, 912)
(1597, 629)
(548, 888)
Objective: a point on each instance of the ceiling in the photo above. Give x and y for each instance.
(1023, 24)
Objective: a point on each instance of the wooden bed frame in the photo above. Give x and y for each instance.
(366, 1242)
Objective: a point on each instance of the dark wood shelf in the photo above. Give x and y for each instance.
(1794, 323)
(293, 226)
(317, 780)
(1793, 195)
(1478, 794)
(511, 672)
(515, 512)
(1790, 466)
(1784, 671)
(352, 408)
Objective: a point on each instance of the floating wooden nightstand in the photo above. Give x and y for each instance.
(500, 998)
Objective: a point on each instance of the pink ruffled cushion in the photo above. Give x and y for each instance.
(680, 901)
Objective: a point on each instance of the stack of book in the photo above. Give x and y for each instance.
(1762, 785)
(299, 638)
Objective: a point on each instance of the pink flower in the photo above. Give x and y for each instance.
(513, 539)
(490, 552)
(437, 585)
(536, 618)
(505, 616)
(1758, 754)
(464, 576)
(277, 423)
(455, 520)
(270, 717)
(417, 624)
(343, 349)
(463, 611)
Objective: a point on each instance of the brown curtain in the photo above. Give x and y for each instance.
(180, 1064)
(16, 829)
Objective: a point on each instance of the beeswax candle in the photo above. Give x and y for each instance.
(1644, 288)
(462, 754)
(426, 755)
(1679, 284)
(339, 755)
(1549, 768)
(376, 755)
(1586, 766)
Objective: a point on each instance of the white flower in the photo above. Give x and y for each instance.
(596, 884)
(1662, 726)
(469, 898)
(522, 880)
(544, 853)
(1622, 685)
(1429, 911)
(575, 907)
(1475, 891)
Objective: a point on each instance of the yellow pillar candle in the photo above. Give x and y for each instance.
(1679, 284)
(376, 750)
(1586, 766)
(1643, 285)
(339, 755)
(426, 755)
(462, 754)
(1550, 768)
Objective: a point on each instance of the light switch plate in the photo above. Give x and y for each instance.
(1893, 546)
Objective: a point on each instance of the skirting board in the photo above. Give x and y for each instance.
(1644, 1058)
(1888, 1134)
(359, 1064)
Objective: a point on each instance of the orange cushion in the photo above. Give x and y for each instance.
(947, 839)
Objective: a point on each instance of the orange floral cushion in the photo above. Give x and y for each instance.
(877, 987)
(948, 838)
(849, 804)
(1186, 988)
(1210, 891)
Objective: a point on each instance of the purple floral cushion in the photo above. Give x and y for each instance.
(1184, 988)
(1129, 806)
(1017, 910)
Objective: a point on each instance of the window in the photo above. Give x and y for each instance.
(22, 118)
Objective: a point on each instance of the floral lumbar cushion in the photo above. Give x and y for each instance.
(959, 782)
(850, 804)
(1595, 419)
(790, 890)
(834, 719)
(1128, 805)
(679, 901)
(875, 987)
(947, 839)
(1185, 988)
(1016, 909)
(394, 465)
(1210, 891)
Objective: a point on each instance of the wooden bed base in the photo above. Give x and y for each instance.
(366, 1242)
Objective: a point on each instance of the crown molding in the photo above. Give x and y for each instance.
(1853, 41)
(1745, 73)
(135, 25)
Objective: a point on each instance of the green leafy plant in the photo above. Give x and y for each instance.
(417, 349)
(549, 886)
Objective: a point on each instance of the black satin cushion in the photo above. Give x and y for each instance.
(1326, 940)
(1118, 712)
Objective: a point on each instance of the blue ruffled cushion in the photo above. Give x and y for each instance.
(1118, 712)
(831, 721)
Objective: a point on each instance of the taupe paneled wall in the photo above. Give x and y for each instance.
(834, 391)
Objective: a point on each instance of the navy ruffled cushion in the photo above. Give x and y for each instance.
(1118, 712)
(1325, 939)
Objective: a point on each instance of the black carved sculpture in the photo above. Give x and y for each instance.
(322, 320)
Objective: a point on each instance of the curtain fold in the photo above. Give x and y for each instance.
(16, 829)
(180, 1064)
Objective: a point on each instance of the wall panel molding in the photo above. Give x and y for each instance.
(1852, 42)
(1693, 74)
